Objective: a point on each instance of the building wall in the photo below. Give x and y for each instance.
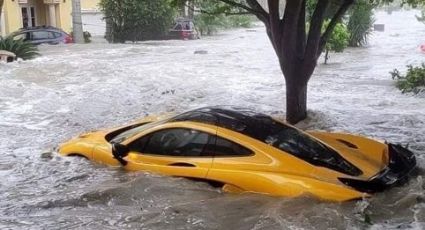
(92, 17)
(41, 13)
(65, 13)
(13, 18)
(13, 14)
(89, 4)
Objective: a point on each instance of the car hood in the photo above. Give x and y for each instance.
(368, 155)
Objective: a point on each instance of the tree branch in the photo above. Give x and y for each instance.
(301, 27)
(257, 7)
(253, 7)
(316, 23)
(274, 20)
(338, 15)
(237, 13)
(239, 5)
(289, 23)
(215, 12)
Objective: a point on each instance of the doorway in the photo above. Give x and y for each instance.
(28, 17)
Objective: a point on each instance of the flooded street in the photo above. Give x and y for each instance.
(78, 88)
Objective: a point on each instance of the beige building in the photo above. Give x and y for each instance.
(18, 14)
(92, 17)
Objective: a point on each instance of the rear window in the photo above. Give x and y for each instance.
(303, 146)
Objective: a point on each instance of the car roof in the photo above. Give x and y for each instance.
(267, 130)
(241, 120)
(39, 28)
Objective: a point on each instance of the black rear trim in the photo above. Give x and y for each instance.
(402, 165)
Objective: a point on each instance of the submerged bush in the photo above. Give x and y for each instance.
(22, 49)
(244, 21)
(214, 17)
(137, 20)
(338, 40)
(413, 81)
(209, 24)
(360, 23)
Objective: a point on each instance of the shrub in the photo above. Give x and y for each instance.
(208, 24)
(22, 49)
(235, 21)
(213, 17)
(360, 23)
(135, 20)
(338, 40)
(413, 81)
(87, 36)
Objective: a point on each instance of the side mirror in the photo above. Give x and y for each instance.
(119, 151)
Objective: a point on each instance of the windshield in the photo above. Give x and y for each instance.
(130, 131)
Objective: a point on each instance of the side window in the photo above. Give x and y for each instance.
(39, 35)
(24, 36)
(19, 36)
(173, 142)
(57, 35)
(225, 147)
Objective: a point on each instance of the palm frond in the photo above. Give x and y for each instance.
(22, 49)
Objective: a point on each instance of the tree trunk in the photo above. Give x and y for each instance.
(77, 23)
(296, 99)
(109, 36)
(191, 8)
(326, 56)
(297, 49)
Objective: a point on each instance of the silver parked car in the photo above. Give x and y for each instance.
(43, 35)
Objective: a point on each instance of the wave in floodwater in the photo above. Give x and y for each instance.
(77, 88)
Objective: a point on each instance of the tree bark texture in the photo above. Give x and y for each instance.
(296, 101)
(77, 23)
(297, 48)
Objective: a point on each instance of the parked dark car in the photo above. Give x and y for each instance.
(183, 29)
(43, 35)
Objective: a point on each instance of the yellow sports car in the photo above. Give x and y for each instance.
(244, 151)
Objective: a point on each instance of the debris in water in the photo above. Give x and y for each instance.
(200, 52)
(47, 155)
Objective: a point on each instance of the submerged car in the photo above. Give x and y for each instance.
(43, 35)
(245, 151)
(183, 29)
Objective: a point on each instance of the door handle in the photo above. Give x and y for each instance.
(182, 164)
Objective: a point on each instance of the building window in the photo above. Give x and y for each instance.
(28, 17)
(25, 18)
(32, 15)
